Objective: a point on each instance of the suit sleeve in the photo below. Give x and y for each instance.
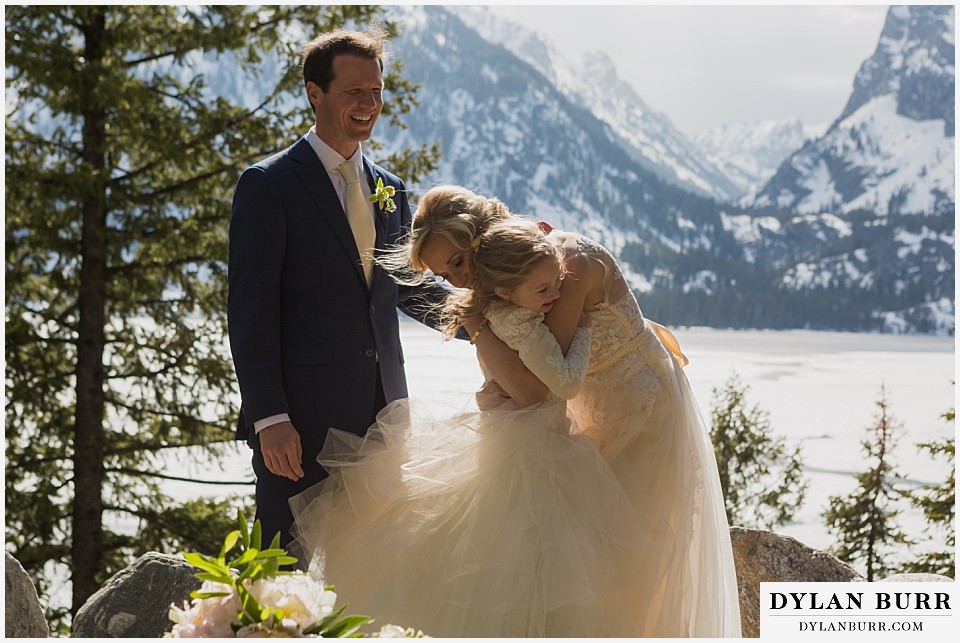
(257, 243)
(422, 302)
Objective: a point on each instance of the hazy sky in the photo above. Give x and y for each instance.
(707, 65)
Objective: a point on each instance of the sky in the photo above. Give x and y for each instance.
(705, 66)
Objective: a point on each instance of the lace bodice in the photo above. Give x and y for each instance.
(618, 329)
(524, 331)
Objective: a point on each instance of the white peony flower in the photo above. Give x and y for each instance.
(302, 599)
(207, 617)
(392, 632)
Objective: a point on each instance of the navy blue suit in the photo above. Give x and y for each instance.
(308, 337)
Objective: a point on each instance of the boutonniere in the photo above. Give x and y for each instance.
(383, 196)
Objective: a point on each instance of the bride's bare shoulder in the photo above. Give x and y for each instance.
(576, 262)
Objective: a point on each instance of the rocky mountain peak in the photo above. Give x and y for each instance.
(914, 60)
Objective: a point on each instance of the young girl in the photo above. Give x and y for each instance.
(503, 522)
(635, 404)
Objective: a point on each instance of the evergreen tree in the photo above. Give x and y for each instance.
(938, 503)
(865, 523)
(761, 477)
(126, 130)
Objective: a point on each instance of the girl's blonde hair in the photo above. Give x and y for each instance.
(448, 210)
(503, 257)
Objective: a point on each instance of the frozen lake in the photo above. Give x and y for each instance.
(819, 388)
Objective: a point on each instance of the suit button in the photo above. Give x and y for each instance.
(369, 352)
(371, 309)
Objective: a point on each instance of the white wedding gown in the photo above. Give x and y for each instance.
(523, 523)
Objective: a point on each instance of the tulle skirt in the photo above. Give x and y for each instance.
(642, 414)
(462, 523)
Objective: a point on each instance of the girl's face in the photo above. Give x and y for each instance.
(539, 290)
(446, 260)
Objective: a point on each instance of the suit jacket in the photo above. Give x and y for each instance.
(306, 333)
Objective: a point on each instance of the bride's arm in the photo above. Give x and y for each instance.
(506, 367)
(564, 317)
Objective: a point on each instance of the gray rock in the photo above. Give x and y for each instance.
(135, 602)
(761, 556)
(916, 578)
(23, 615)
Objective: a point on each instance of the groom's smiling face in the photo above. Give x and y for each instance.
(347, 111)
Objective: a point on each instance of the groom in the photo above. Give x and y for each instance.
(312, 322)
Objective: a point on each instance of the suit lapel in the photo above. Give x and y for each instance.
(373, 175)
(378, 218)
(317, 182)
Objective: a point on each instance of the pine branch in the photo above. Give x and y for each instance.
(165, 476)
(164, 413)
(202, 138)
(155, 447)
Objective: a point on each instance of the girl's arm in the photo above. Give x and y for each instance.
(521, 329)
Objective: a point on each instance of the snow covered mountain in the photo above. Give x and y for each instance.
(891, 151)
(506, 129)
(646, 135)
(871, 202)
(512, 122)
(750, 153)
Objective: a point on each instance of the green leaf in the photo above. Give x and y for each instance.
(345, 627)
(251, 572)
(243, 558)
(229, 543)
(325, 622)
(272, 553)
(244, 530)
(226, 579)
(202, 595)
(255, 535)
(205, 563)
(251, 608)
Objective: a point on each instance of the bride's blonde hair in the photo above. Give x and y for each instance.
(503, 257)
(452, 211)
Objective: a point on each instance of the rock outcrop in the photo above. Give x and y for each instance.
(916, 578)
(135, 602)
(761, 556)
(23, 616)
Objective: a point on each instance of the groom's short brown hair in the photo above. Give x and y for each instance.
(318, 54)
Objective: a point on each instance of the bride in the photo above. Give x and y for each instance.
(598, 517)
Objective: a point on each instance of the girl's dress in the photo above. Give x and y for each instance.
(598, 517)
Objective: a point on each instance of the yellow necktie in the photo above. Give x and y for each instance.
(358, 215)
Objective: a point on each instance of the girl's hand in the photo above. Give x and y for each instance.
(491, 396)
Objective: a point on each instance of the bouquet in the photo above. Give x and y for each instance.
(249, 596)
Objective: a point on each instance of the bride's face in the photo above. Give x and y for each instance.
(446, 260)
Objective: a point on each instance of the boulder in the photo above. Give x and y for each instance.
(22, 612)
(135, 602)
(762, 556)
(916, 578)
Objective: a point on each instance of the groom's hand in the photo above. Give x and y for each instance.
(280, 445)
